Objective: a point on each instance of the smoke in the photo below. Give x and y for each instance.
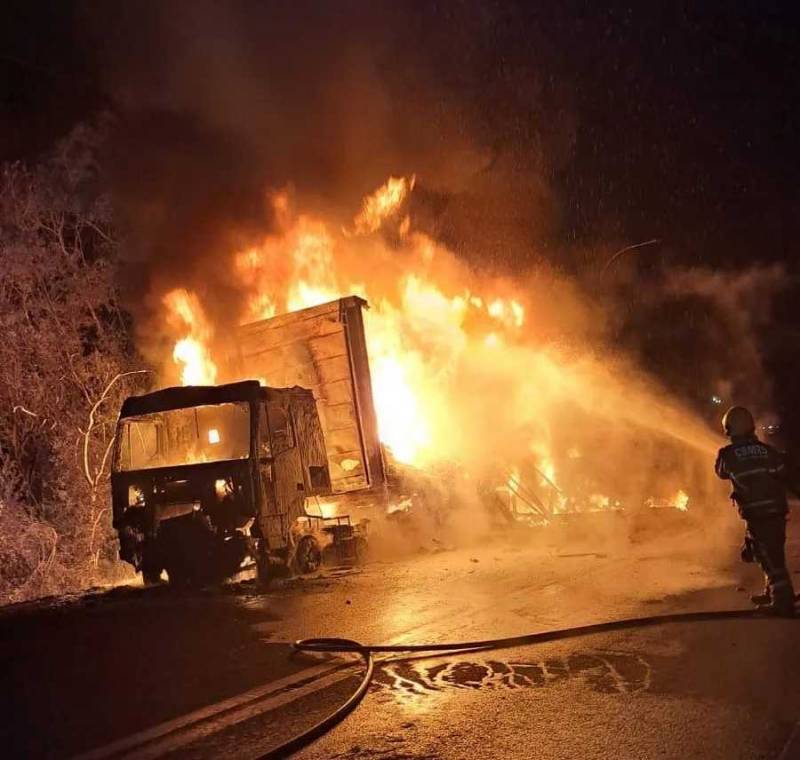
(739, 313)
(221, 105)
(223, 101)
(718, 321)
(218, 105)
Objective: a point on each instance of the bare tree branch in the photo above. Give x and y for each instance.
(20, 408)
(99, 231)
(104, 460)
(92, 412)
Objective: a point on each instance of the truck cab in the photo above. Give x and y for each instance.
(205, 476)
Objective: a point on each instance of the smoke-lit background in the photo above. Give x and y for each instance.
(549, 133)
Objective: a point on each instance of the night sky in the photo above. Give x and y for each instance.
(657, 120)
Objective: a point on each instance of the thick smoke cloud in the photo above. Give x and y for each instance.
(702, 332)
(222, 101)
(217, 104)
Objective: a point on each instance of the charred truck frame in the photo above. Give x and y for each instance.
(204, 476)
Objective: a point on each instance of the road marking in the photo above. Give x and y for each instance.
(167, 736)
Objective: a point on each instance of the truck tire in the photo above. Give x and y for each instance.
(361, 548)
(264, 569)
(151, 566)
(151, 576)
(308, 556)
(179, 572)
(191, 553)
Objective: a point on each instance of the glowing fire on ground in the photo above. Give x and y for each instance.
(457, 369)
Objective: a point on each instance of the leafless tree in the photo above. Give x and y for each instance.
(66, 361)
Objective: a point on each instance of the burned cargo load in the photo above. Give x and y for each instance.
(205, 476)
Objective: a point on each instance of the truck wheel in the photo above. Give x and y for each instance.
(361, 548)
(192, 554)
(308, 556)
(264, 569)
(151, 567)
(179, 573)
(151, 576)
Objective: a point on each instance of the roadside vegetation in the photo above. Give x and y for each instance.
(66, 360)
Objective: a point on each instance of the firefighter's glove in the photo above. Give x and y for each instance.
(747, 553)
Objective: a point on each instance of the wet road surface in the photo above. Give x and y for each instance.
(88, 673)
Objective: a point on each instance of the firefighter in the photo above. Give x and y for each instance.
(757, 472)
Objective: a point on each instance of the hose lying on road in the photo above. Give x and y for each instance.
(340, 646)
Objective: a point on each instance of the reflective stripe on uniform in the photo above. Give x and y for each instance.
(757, 471)
(762, 513)
(761, 503)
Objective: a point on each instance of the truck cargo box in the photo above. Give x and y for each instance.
(324, 348)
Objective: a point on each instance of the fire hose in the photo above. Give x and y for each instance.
(349, 646)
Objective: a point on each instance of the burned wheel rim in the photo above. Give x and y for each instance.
(308, 556)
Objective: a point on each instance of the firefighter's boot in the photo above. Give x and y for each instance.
(784, 609)
(761, 600)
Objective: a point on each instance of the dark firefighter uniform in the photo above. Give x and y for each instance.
(757, 473)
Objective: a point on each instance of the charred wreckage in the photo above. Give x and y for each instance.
(204, 477)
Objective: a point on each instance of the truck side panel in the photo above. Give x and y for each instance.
(324, 349)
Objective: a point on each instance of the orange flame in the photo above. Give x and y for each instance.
(457, 368)
(191, 352)
(417, 331)
(382, 204)
(681, 500)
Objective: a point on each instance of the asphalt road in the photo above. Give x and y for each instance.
(209, 673)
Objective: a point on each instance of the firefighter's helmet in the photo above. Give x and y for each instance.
(738, 422)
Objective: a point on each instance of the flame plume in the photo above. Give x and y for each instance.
(191, 352)
(382, 204)
(461, 368)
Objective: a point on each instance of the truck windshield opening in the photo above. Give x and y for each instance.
(191, 435)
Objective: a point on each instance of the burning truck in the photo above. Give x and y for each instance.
(206, 476)
(476, 388)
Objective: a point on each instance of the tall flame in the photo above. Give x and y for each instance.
(191, 352)
(382, 204)
(458, 369)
